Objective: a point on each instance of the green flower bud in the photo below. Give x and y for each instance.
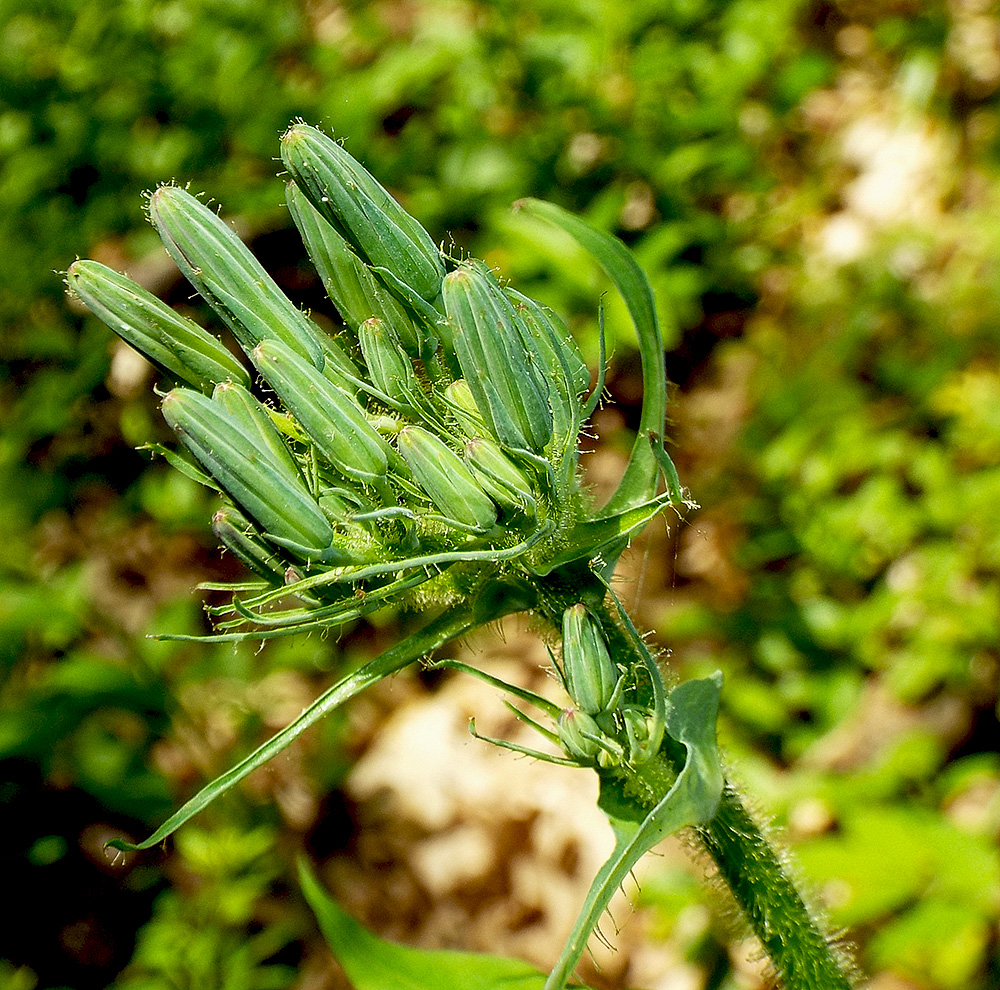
(557, 352)
(277, 500)
(255, 421)
(582, 739)
(351, 285)
(459, 399)
(231, 280)
(331, 417)
(640, 727)
(589, 674)
(499, 477)
(449, 483)
(238, 535)
(502, 373)
(389, 366)
(148, 324)
(361, 211)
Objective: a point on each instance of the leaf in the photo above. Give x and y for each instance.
(639, 481)
(374, 964)
(446, 627)
(692, 800)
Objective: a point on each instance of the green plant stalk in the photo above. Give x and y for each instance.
(759, 876)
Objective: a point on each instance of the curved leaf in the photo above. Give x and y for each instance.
(420, 644)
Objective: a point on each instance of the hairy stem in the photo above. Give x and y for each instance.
(803, 954)
(759, 878)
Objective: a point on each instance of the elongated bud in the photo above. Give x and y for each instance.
(331, 417)
(278, 501)
(351, 285)
(389, 366)
(508, 385)
(361, 211)
(231, 280)
(460, 401)
(238, 535)
(449, 483)
(176, 344)
(256, 423)
(499, 477)
(557, 352)
(582, 739)
(591, 677)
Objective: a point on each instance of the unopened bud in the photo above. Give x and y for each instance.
(590, 675)
(500, 477)
(361, 210)
(490, 342)
(450, 485)
(178, 345)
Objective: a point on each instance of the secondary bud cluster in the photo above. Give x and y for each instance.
(601, 728)
(434, 442)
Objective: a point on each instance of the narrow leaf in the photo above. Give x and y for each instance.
(447, 626)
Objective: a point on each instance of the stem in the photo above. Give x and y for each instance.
(761, 880)
(759, 875)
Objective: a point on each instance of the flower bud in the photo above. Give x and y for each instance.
(361, 211)
(589, 674)
(458, 397)
(238, 535)
(499, 477)
(490, 342)
(331, 417)
(557, 352)
(351, 285)
(578, 733)
(450, 484)
(389, 366)
(276, 499)
(176, 344)
(231, 280)
(256, 423)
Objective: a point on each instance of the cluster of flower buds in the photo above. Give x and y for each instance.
(601, 729)
(440, 431)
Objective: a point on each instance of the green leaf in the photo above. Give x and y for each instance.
(639, 482)
(435, 634)
(692, 800)
(374, 964)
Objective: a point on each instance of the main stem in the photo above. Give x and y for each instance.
(759, 876)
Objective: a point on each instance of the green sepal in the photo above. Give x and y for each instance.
(493, 349)
(361, 211)
(443, 475)
(692, 799)
(331, 417)
(232, 281)
(277, 500)
(173, 342)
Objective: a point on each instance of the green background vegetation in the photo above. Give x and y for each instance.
(812, 187)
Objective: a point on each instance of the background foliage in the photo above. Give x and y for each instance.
(812, 188)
